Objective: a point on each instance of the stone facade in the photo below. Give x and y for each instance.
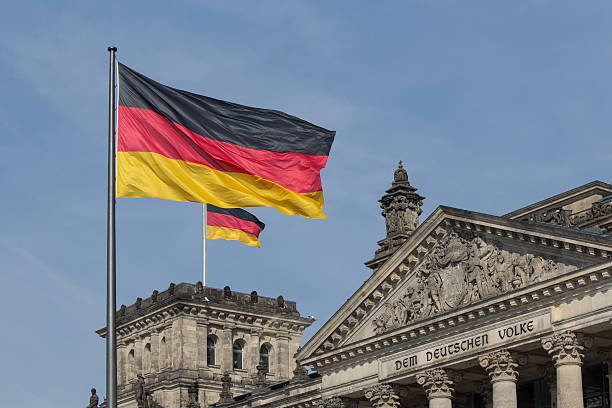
(464, 310)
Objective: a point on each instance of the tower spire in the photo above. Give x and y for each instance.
(401, 207)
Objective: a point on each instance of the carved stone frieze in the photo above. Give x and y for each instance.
(557, 216)
(500, 366)
(566, 347)
(598, 209)
(438, 382)
(383, 396)
(460, 269)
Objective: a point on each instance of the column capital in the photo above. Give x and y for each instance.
(566, 347)
(438, 382)
(383, 396)
(500, 366)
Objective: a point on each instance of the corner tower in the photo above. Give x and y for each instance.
(401, 207)
(192, 346)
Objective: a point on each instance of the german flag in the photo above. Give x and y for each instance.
(234, 224)
(177, 145)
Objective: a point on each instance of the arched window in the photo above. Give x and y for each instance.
(131, 365)
(264, 356)
(237, 354)
(146, 358)
(163, 359)
(211, 343)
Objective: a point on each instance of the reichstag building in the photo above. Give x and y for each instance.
(462, 309)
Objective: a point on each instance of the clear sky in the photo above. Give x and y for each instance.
(491, 106)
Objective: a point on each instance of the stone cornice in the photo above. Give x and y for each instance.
(214, 314)
(404, 262)
(528, 297)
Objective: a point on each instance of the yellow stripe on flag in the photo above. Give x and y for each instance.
(231, 235)
(143, 174)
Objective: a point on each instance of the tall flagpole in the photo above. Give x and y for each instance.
(204, 230)
(111, 289)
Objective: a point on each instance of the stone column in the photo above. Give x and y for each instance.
(439, 386)
(202, 341)
(383, 396)
(121, 364)
(227, 342)
(154, 351)
(567, 352)
(503, 375)
(338, 402)
(138, 350)
(283, 367)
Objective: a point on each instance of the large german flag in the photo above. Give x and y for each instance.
(233, 224)
(177, 145)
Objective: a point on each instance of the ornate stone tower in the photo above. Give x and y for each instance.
(401, 207)
(192, 346)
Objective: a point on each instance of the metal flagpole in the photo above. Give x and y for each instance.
(204, 244)
(111, 290)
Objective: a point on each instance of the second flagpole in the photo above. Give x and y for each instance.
(204, 230)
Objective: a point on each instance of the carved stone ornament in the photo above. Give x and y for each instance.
(500, 366)
(566, 347)
(226, 385)
(401, 207)
(438, 383)
(383, 396)
(93, 399)
(598, 209)
(139, 389)
(557, 216)
(338, 402)
(461, 269)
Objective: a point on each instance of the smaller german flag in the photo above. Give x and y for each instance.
(234, 224)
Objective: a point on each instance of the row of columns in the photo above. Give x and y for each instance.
(565, 348)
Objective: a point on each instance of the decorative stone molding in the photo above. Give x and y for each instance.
(383, 396)
(566, 347)
(438, 382)
(500, 366)
(461, 269)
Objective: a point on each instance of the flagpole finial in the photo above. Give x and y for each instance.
(112, 48)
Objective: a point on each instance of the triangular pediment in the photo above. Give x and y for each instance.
(453, 260)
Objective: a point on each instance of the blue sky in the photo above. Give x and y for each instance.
(490, 105)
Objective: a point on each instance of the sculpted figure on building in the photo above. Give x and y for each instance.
(461, 269)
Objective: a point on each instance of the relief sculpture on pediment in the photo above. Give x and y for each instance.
(459, 270)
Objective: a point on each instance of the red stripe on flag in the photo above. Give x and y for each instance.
(142, 130)
(227, 221)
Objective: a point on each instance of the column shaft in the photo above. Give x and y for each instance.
(504, 394)
(566, 349)
(569, 386)
(440, 403)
